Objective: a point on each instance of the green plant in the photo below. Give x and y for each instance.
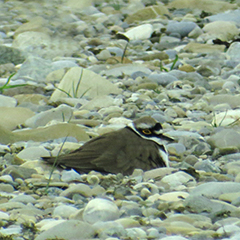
(55, 164)
(75, 89)
(7, 86)
(124, 51)
(172, 66)
(64, 118)
(214, 123)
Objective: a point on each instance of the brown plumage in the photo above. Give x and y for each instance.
(118, 152)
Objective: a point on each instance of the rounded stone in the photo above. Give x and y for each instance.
(100, 209)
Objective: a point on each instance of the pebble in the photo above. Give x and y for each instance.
(70, 229)
(100, 210)
(62, 113)
(63, 211)
(6, 101)
(92, 69)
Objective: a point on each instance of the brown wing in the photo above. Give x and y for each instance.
(146, 155)
(97, 154)
(107, 153)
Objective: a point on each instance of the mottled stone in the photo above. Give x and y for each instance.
(10, 55)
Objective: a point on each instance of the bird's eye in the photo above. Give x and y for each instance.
(146, 131)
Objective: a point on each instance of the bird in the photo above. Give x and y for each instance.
(138, 145)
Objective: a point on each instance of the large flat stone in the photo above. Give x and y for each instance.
(90, 85)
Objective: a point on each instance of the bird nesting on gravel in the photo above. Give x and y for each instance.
(138, 145)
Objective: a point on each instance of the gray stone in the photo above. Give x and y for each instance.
(90, 85)
(62, 113)
(34, 68)
(14, 116)
(179, 134)
(203, 5)
(232, 100)
(234, 51)
(228, 229)
(70, 176)
(162, 78)
(181, 28)
(126, 70)
(99, 102)
(69, 230)
(136, 233)
(24, 199)
(174, 238)
(63, 211)
(214, 189)
(207, 166)
(4, 216)
(10, 55)
(215, 30)
(6, 101)
(150, 12)
(106, 230)
(225, 138)
(79, 188)
(5, 187)
(37, 69)
(30, 43)
(76, 5)
(59, 130)
(100, 209)
(19, 172)
(177, 179)
(230, 16)
(199, 204)
(11, 231)
(33, 153)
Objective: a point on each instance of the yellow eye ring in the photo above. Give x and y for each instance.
(147, 131)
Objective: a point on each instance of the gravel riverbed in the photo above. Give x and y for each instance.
(71, 70)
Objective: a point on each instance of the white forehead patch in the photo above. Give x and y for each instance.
(144, 126)
(160, 131)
